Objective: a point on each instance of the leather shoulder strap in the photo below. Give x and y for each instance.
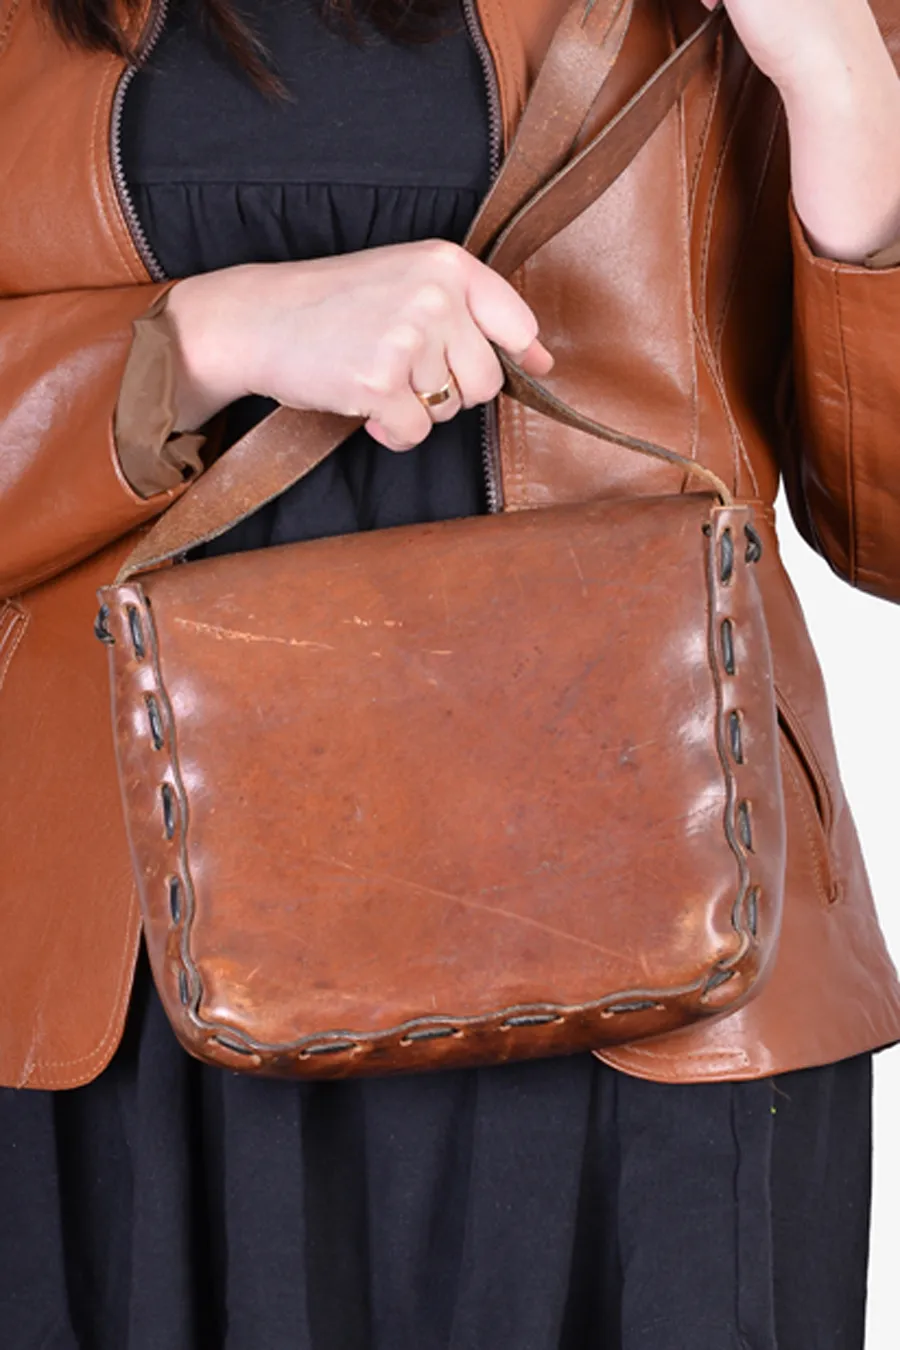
(591, 172)
(574, 71)
(288, 444)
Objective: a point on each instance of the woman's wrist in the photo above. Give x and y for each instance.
(843, 112)
(842, 95)
(213, 366)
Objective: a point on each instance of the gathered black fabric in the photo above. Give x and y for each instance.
(554, 1205)
(377, 144)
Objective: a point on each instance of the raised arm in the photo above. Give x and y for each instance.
(834, 64)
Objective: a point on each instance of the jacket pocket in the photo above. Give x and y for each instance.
(13, 622)
(807, 787)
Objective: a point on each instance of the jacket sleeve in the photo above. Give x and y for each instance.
(63, 494)
(843, 472)
(153, 456)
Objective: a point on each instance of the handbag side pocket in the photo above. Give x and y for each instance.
(806, 783)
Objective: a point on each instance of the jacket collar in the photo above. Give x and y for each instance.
(62, 170)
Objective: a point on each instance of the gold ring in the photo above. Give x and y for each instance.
(442, 395)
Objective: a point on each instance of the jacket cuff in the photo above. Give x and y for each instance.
(879, 261)
(153, 457)
(884, 257)
(846, 319)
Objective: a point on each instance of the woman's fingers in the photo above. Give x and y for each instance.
(499, 311)
(395, 417)
(475, 365)
(471, 368)
(400, 424)
(439, 355)
(434, 384)
(357, 335)
(536, 361)
(504, 318)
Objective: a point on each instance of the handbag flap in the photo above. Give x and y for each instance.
(505, 784)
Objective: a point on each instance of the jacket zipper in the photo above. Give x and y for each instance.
(123, 192)
(490, 432)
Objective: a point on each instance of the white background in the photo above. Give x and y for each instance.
(858, 642)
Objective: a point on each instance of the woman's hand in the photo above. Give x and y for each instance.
(360, 334)
(842, 96)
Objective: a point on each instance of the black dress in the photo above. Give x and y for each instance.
(554, 1205)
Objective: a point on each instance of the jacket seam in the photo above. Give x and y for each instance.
(517, 427)
(685, 199)
(806, 812)
(102, 174)
(809, 751)
(740, 253)
(738, 449)
(726, 1058)
(852, 533)
(688, 297)
(715, 184)
(40, 1067)
(6, 29)
(498, 13)
(703, 147)
(10, 641)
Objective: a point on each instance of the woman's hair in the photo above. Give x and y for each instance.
(105, 25)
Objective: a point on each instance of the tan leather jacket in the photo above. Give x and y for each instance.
(670, 306)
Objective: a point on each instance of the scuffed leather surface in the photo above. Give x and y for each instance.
(585, 49)
(403, 793)
(68, 912)
(62, 229)
(70, 286)
(62, 492)
(670, 314)
(71, 283)
(702, 287)
(659, 281)
(833, 984)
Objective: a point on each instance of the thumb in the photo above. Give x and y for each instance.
(536, 360)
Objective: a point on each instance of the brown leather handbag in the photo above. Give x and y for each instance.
(457, 793)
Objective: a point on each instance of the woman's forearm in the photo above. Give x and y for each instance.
(365, 334)
(842, 96)
(844, 124)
